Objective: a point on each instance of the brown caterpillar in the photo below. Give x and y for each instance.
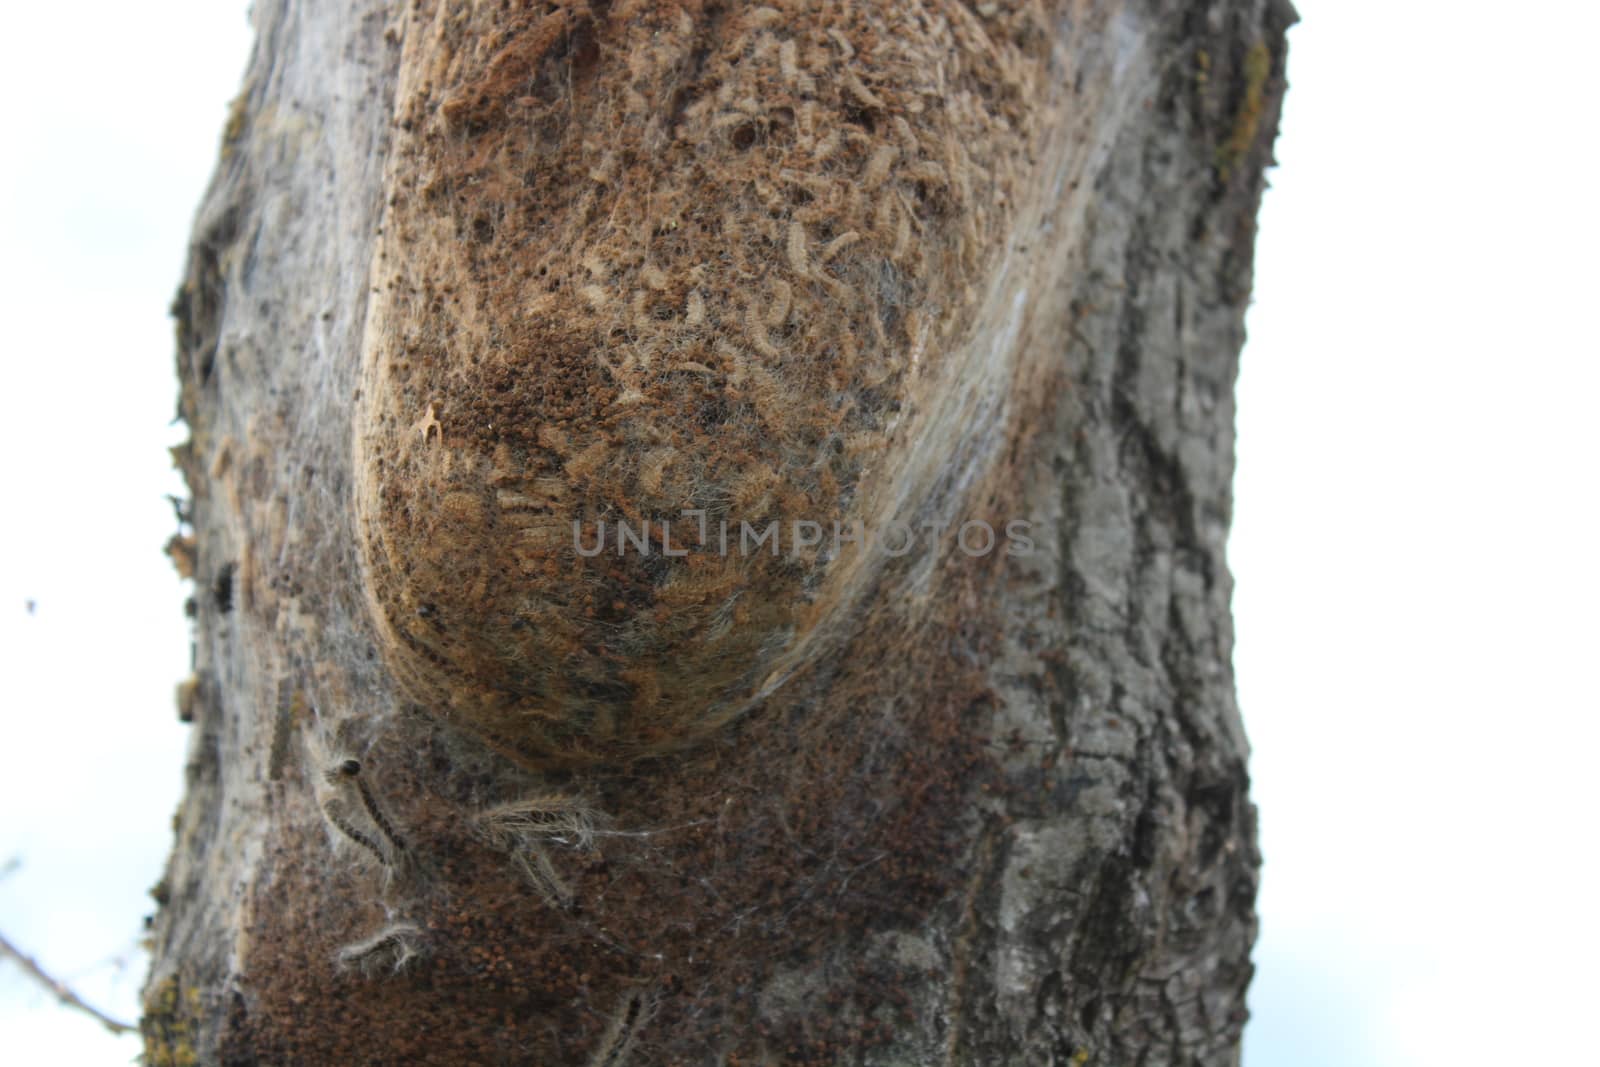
(525, 828)
(568, 230)
(338, 821)
(346, 774)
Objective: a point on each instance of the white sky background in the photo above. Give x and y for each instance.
(1415, 541)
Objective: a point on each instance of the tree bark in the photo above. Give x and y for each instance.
(469, 273)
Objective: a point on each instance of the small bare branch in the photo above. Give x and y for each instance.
(60, 990)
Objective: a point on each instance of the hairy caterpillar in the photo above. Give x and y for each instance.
(390, 949)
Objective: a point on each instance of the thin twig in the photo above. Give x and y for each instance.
(60, 989)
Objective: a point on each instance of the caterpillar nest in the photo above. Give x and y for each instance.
(646, 258)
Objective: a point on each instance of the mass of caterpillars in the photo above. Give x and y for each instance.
(651, 260)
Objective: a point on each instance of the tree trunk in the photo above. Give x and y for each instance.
(473, 280)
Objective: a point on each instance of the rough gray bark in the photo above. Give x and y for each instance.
(1002, 821)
